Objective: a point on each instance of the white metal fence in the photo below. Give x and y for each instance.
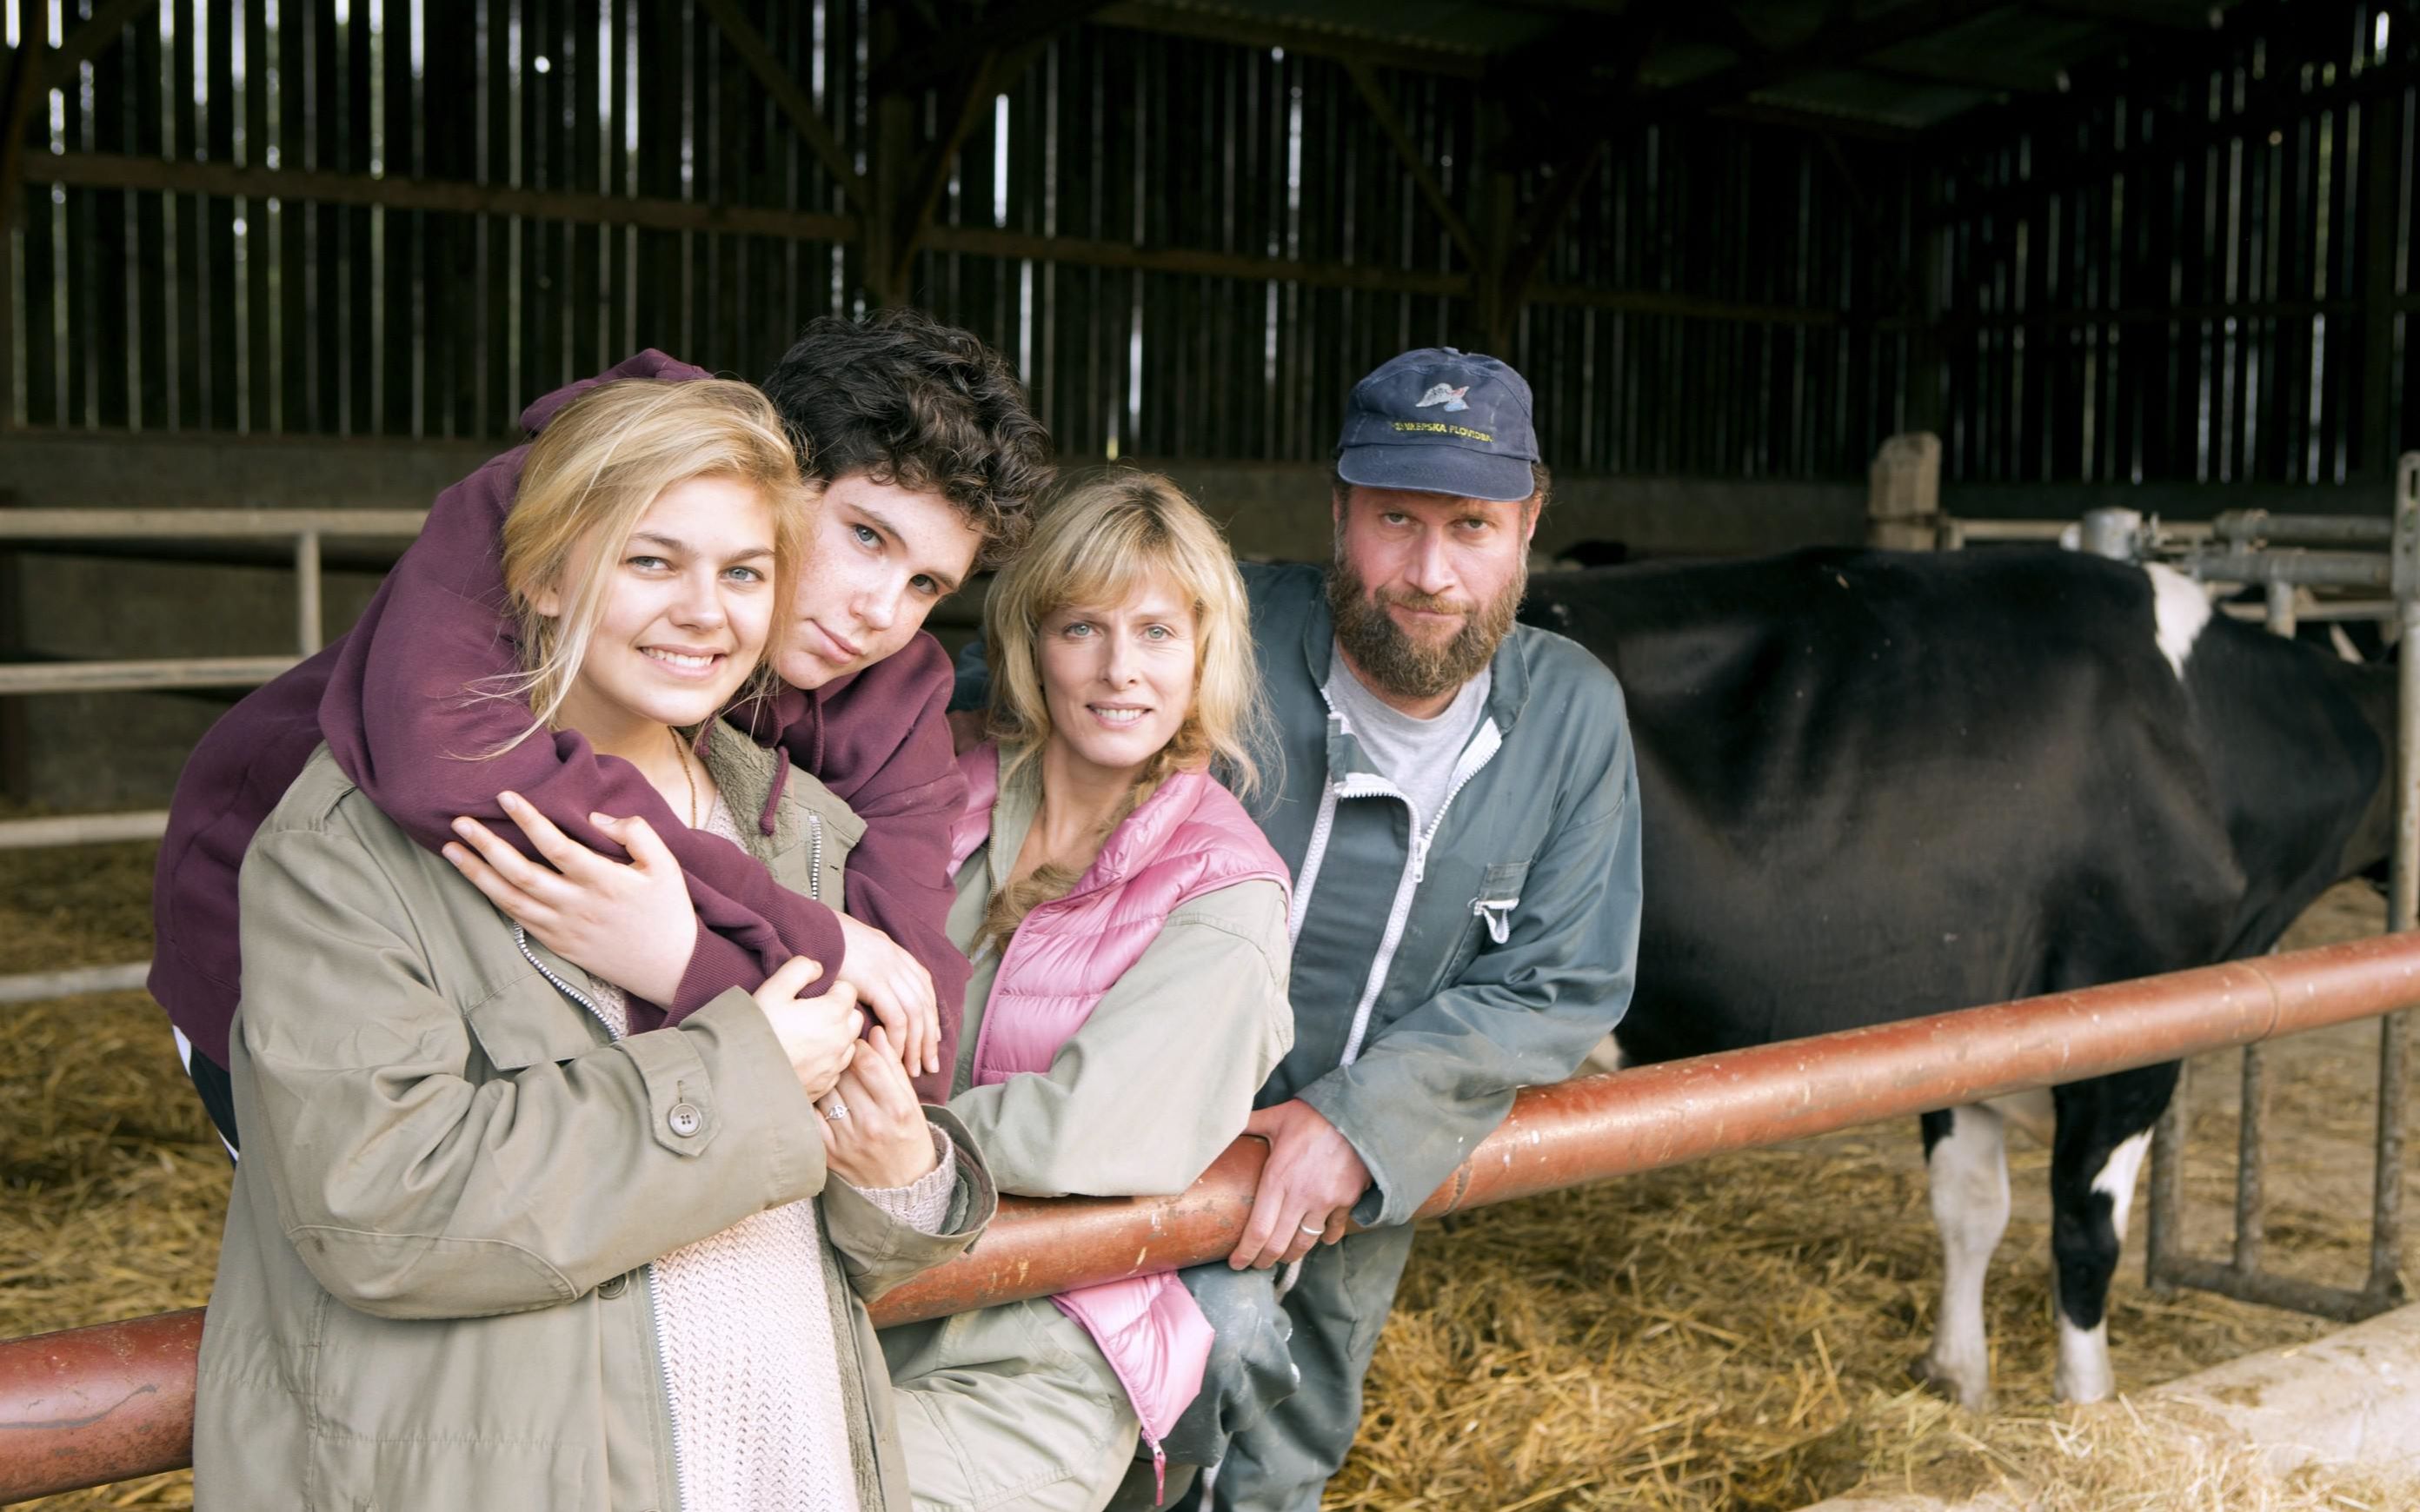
(305, 528)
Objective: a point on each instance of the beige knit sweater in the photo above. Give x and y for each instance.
(751, 1365)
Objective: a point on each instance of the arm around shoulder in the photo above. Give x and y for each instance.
(416, 1182)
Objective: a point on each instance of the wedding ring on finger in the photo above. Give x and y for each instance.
(838, 1111)
(1315, 1230)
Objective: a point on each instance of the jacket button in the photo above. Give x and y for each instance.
(685, 1119)
(615, 1285)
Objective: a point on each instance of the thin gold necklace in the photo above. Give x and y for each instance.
(681, 754)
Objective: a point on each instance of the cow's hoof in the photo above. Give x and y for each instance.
(1971, 1390)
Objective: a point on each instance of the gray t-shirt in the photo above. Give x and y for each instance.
(1416, 755)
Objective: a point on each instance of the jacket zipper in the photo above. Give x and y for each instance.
(655, 1321)
(1483, 745)
(814, 856)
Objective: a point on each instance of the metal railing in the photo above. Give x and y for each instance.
(94, 1405)
(307, 528)
(2380, 554)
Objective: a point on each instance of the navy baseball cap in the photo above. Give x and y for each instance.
(1440, 421)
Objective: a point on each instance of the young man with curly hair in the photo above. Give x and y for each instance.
(930, 459)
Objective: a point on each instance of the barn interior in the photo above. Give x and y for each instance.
(316, 255)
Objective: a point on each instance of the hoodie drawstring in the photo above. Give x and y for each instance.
(773, 794)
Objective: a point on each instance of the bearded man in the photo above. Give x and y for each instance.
(1459, 808)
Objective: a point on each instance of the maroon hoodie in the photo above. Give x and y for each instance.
(388, 699)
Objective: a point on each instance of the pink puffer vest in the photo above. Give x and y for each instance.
(1189, 838)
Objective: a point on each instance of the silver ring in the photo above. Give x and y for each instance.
(1315, 1228)
(839, 1111)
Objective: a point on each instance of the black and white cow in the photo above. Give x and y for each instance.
(1882, 784)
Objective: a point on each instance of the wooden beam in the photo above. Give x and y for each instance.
(2149, 14)
(1295, 37)
(1607, 102)
(985, 242)
(34, 69)
(1544, 220)
(98, 170)
(1830, 47)
(793, 102)
(1687, 306)
(1976, 70)
(2381, 153)
(1382, 110)
(1819, 123)
(99, 33)
(2153, 59)
(2178, 136)
(922, 191)
(947, 54)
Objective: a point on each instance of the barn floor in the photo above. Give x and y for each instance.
(1732, 1334)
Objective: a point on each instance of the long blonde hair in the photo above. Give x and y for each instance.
(591, 476)
(1104, 539)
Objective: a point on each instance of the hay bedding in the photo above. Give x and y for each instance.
(1730, 1335)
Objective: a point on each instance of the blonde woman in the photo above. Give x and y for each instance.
(502, 1235)
(1127, 926)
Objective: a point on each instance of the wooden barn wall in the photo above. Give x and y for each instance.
(1709, 309)
(2196, 271)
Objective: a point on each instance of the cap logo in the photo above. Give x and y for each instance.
(1446, 395)
(1439, 427)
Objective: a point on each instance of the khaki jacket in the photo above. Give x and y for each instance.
(434, 1290)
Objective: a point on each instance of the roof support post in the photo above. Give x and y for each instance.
(1500, 199)
(1382, 110)
(801, 110)
(2381, 151)
(917, 187)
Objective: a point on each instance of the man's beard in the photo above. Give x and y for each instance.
(1395, 662)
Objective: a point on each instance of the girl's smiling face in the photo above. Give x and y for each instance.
(688, 606)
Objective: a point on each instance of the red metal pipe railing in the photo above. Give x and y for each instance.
(99, 1404)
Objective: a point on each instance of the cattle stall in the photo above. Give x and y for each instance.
(272, 272)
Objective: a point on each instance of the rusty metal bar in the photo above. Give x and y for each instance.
(2316, 569)
(117, 1412)
(93, 1405)
(2249, 525)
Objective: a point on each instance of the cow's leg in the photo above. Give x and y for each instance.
(1965, 1159)
(2104, 1131)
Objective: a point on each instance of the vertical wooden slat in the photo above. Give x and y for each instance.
(587, 325)
(184, 91)
(360, 294)
(107, 324)
(146, 277)
(38, 267)
(405, 343)
(218, 217)
(259, 245)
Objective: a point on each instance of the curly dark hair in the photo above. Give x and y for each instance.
(919, 405)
